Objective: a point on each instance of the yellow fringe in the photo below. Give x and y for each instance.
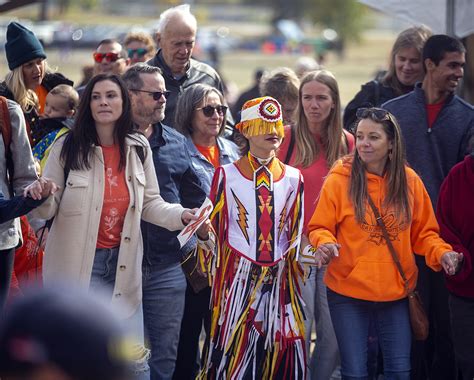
(256, 127)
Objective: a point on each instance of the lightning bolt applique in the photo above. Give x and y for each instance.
(283, 216)
(242, 219)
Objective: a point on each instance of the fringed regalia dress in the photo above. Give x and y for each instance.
(257, 320)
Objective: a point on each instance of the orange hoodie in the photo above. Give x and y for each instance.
(364, 268)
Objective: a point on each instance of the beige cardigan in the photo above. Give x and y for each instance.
(71, 243)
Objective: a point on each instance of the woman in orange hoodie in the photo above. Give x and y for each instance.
(362, 279)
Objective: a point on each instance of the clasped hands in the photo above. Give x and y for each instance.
(325, 253)
(451, 262)
(41, 188)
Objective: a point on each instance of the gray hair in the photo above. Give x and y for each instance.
(132, 77)
(189, 100)
(181, 11)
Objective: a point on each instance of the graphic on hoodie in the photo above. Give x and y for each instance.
(394, 227)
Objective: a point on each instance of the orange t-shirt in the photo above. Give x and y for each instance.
(211, 153)
(41, 93)
(116, 200)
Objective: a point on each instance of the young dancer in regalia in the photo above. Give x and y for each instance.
(257, 320)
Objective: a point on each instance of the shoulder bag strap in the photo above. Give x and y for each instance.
(387, 239)
(290, 146)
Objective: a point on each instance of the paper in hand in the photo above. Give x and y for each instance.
(202, 214)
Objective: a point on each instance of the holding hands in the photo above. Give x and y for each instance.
(41, 188)
(318, 257)
(451, 262)
(326, 252)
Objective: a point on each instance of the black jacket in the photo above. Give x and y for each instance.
(197, 72)
(372, 94)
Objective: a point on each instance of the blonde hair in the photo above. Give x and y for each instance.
(332, 135)
(140, 37)
(15, 81)
(414, 37)
(68, 93)
(25, 97)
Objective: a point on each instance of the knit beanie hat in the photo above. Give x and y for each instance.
(261, 116)
(22, 45)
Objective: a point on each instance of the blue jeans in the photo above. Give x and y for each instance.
(351, 318)
(164, 288)
(325, 357)
(307, 294)
(103, 275)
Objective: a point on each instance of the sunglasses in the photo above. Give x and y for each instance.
(156, 94)
(109, 57)
(377, 114)
(208, 111)
(139, 52)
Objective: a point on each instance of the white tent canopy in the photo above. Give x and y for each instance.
(454, 17)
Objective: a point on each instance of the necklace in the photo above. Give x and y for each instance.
(256, 162)
(262, 176)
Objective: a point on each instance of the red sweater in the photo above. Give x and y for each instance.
(455, 216)
(313, 175)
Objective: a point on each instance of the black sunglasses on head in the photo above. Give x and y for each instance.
(156, 94)
(208, 111)
(377, 114)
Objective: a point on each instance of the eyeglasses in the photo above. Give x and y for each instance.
(109, 57)
(156, 94)
(377, 114)
(208, 111)
(139, 52)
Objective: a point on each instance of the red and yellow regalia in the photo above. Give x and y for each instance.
(257, 319)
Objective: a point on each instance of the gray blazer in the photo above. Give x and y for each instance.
(24, 172)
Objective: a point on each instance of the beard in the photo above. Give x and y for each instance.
(150, 116)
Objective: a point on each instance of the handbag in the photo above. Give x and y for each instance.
(418, 318)
(196, 279)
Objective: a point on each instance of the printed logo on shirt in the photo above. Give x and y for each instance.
(394, 227)
(111, 221)
(111, 180)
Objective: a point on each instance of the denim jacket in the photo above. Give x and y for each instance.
(178, 184)
(228, 153)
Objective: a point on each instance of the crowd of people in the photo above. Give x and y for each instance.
(325, 219)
